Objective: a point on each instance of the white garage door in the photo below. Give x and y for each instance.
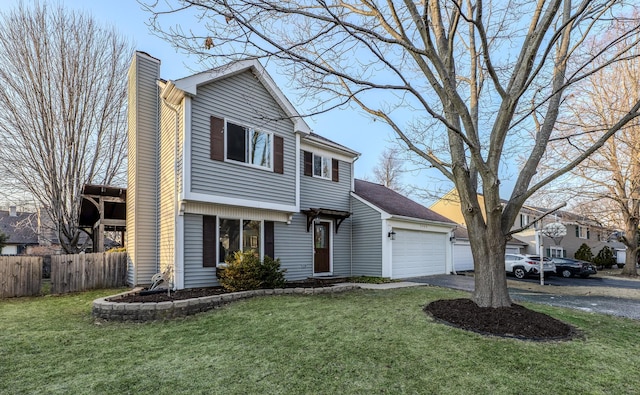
(417, 253)
(462, 257)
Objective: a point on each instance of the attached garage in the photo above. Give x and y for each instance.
(418, 253)
(395, 237)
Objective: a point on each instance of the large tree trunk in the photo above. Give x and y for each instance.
(488, 249)
(631, 242)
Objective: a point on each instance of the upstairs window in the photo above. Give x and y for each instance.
(582, 232)
(249, 146)
(524, 220)
(321, 166)
(233, 142)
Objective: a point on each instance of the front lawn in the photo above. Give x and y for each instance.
(366, 342)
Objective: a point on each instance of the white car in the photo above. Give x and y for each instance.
(523, 265)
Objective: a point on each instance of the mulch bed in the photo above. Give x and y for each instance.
(514, 322)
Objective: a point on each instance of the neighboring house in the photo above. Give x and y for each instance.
(462, 256)
(20, 229)
(221, 161)
(579, 228)
(393, 236)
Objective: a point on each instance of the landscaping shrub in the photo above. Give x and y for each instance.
(605, 257)
(271, 274)
(244, 272)
(584, 253)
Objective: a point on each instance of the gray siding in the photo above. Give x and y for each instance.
(367, 243)
(294, 246)
(342, 249)
(242, 99)
(142, 242)
(320, 193)
(194, 274)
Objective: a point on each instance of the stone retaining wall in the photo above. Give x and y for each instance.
(105, 309)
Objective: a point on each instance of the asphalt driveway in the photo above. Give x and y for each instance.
(629, 308)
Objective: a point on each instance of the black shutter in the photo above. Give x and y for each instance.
(269, 240)
(217, 138)
(278, 155)
(209, 256)
(577, 231)
(335, 170)
(308, 163)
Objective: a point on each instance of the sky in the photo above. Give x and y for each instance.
(346, 127)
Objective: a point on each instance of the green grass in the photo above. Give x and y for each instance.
(362, 342)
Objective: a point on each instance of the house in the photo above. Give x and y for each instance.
(21, 231)
(220, 161)
(396, 237)
(579, 229)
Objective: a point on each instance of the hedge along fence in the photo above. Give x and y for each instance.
(20, 276)
(73, 273)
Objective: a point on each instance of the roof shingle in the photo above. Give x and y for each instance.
(394, 203)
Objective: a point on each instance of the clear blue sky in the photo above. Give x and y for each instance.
(346, 127)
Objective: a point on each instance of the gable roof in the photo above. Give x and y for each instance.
(20, 229)
(190, 84)
(394, 203)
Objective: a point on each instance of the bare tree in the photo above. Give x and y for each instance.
(389, 169)
(62, 109)
(460, 82)
(608, 182)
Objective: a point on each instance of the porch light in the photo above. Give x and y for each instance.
(392, 235)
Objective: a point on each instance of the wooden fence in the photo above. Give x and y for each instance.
(20, 276)
(73, 273)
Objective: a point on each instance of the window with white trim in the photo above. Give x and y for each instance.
(524, 220)
(321, 166)
(556, 252)
(249, 146)
(232, 236)
(583, 232)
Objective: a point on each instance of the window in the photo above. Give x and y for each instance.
(582, 232)
(321, 166)
(249, 146)
(555, 252)
(231, 235)
(524, 220)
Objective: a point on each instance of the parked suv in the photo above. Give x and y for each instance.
(523, 265)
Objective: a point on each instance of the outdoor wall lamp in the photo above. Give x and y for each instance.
(392, 235)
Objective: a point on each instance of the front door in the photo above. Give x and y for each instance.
(321, 256)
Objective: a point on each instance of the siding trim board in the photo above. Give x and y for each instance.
(231, 201)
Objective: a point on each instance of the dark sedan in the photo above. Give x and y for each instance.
(567, 267)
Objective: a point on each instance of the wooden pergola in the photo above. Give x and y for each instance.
(103, 209)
